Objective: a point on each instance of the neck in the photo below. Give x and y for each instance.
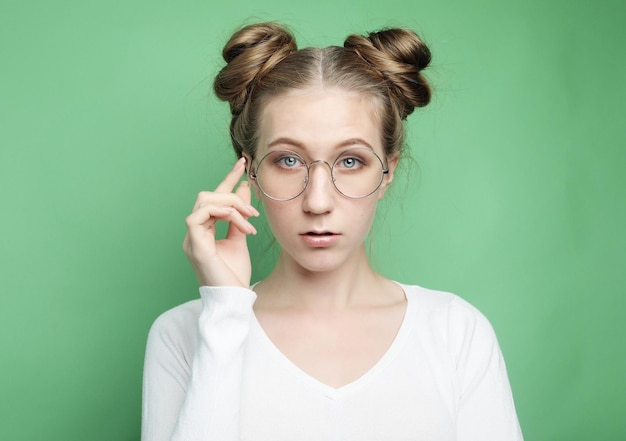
(292, 286)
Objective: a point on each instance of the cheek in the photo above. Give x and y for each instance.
(279, 215)
(358, 216)
(369, 215)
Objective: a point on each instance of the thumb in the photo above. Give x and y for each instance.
(243, 191)
(234, 233)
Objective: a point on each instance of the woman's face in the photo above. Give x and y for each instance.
(321, 229)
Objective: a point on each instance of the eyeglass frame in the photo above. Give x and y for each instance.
(385, 170)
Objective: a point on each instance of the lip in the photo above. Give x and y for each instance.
(321, 239)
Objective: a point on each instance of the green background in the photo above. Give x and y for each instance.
(514, 200)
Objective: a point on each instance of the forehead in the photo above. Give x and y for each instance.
(319, 120)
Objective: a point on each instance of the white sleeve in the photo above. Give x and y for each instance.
(192, 371)
(486, 410)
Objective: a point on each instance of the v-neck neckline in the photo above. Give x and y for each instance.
(339, 392)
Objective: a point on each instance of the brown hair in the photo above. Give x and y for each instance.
(263, 61)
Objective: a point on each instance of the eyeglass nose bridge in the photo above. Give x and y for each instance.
(310, 166)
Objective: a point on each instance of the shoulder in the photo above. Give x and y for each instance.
(177, 328)
(179, 317)
(433, 301)
(454, 318)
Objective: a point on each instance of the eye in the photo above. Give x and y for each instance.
(351, 162)
(288, 161)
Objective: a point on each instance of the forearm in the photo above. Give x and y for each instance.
(192, 390)
(211, 407)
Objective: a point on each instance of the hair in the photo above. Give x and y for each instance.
(263, 61)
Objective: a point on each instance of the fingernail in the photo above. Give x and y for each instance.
(251, 228)
(253, 211)
(240, 163)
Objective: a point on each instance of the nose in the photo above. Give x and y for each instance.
(319, 195)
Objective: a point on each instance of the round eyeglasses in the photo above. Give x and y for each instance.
(283, 175)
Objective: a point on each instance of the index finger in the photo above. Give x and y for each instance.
(233, 176)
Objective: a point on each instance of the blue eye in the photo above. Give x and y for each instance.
(350, 162)
(288, 161)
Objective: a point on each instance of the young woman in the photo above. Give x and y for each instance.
(324, 348)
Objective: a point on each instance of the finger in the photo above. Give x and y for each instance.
(238, 224)
(236, 233)
(207, 198)
(204, 219)
(244, 193)
(231, 179)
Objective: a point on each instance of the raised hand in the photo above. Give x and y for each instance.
(224, 262)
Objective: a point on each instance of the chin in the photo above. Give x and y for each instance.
(318, 261)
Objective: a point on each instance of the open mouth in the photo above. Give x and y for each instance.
(320, 239)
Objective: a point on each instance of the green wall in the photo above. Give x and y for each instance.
(515, 199)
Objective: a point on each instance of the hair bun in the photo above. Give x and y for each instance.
(400, 56)
(250, 52)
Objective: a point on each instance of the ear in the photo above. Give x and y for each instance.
(251, 180)
(392, 163)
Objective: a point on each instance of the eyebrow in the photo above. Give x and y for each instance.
(294, 143)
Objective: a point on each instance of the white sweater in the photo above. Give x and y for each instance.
(212, 374)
